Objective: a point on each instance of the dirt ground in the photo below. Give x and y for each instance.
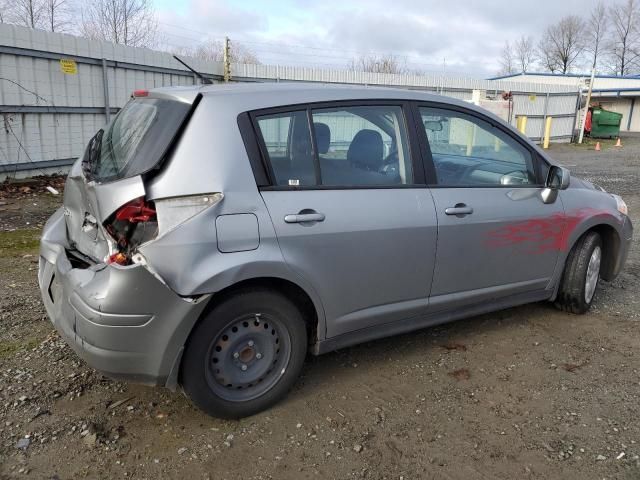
(528, 392)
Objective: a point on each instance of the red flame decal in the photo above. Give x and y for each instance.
(541, 235)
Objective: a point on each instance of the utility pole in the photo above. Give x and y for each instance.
(226, 60)
(586, 108)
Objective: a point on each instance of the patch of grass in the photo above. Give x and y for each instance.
(19, 242)
(589, 143)
(8, 348)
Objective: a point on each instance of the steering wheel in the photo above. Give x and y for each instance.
(390, 164)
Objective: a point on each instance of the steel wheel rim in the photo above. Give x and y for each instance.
(593, 273)
(248, 357)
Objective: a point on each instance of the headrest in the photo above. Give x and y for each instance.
(366, 149)
(323, 137)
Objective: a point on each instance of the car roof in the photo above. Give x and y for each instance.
(265, 94)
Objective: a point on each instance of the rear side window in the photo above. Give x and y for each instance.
(355, 146)
(288, 144)
(136, 140)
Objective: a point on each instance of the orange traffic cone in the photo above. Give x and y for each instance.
(618, 143)
(597, 146)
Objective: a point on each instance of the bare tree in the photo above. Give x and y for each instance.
(377, 64)
(562, 44)
(57, 15)
(4, 11)
(524, 53)
(128, 22)
(546, 55)
(507, 60)
(213, 51)
(624, 46)
(28, 13)
(596, 31)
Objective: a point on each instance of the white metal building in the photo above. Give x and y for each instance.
(615, 93)
(57, 90)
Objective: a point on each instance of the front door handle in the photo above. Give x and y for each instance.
(304, 217)
(460, 210)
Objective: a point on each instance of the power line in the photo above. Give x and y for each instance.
(298, 46)
(340, 62)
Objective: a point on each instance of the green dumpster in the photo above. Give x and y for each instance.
(605, 124)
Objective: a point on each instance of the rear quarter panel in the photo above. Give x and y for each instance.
(211, 157)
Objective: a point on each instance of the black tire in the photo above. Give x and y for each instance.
(573, 294)
(225, 372)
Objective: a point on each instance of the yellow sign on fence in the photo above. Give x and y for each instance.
(69, 67)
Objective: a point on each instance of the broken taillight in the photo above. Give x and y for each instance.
(130, 226)
(136, 211)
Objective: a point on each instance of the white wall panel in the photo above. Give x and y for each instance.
(60, 135)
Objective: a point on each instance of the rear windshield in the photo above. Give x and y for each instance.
(136, 140)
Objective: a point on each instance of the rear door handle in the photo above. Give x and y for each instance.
(304, 217)
(459, 210)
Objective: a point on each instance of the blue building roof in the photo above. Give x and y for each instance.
(580, 75)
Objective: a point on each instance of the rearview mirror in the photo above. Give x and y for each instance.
(558, 179)
(433, 125)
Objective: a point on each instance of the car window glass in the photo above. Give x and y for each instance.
(288, 143)
(468, 151)
(364, 145)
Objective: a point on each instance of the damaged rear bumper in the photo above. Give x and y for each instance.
(122, 321)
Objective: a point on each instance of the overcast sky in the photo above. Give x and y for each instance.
(464, 35)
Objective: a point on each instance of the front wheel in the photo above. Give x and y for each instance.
(581, 275)
(245, 354)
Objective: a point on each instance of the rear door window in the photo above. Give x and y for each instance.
(354, 146)
(364, 145)
(136, 140)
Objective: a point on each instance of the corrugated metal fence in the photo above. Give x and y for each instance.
(49, 109)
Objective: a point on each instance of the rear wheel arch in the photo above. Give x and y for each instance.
(289, 289)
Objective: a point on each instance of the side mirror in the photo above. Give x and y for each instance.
(558, 179)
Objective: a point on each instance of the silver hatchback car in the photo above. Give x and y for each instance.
(211, 236)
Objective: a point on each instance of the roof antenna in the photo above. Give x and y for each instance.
(205, 80)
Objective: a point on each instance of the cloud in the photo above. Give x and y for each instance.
(466, 34)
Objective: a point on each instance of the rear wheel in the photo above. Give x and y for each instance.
(581, 275)
(245, 354)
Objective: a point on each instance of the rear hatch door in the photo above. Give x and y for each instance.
(110, 173)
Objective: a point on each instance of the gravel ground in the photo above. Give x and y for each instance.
(528, 392)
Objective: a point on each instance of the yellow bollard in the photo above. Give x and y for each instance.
(471, 139)
(521, 123)
(547, 132)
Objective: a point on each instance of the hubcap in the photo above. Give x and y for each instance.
(593, 272)
(248, 357)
